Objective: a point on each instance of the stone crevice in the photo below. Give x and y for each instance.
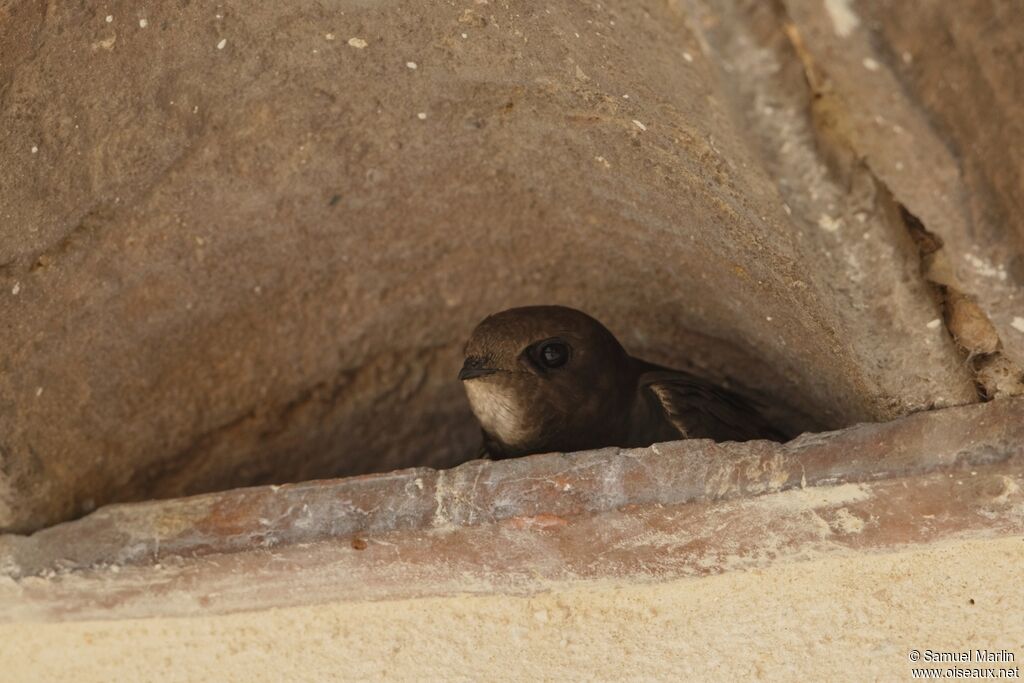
(965, 321)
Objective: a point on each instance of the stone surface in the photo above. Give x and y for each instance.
(850, 616)
(847, 617)
(936, 114)
(689, 508)
(244, 245)
(930, 98)
(829, 558)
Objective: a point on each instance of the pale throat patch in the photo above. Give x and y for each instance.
(498, 412)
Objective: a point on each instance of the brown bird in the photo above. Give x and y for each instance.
(550, 378)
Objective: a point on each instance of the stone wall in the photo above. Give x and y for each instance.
(243, 244)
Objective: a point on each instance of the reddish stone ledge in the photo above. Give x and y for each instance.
(482, 491)
(679, 509)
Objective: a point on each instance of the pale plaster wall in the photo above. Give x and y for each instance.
(848, 617)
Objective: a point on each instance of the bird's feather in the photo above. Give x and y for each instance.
(702, 410)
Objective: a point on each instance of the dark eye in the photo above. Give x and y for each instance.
(554, 354)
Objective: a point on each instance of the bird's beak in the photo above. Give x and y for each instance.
(475, 367)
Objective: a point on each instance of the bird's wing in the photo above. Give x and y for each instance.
(700, 409)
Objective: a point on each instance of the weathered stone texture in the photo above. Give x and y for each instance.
(932, 100)
(255, 260)
(930, 476)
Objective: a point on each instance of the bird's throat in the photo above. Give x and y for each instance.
(501, 414)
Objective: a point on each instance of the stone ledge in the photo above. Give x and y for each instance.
(674, 510)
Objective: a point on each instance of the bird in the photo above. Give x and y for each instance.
(544, 379)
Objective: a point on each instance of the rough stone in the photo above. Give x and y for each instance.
(831, 557)
(254, 261)
(932, 118)
(595, 498)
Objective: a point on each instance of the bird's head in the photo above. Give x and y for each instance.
(543, 377)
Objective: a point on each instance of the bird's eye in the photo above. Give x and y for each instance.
(554, 354)
(547, 354)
